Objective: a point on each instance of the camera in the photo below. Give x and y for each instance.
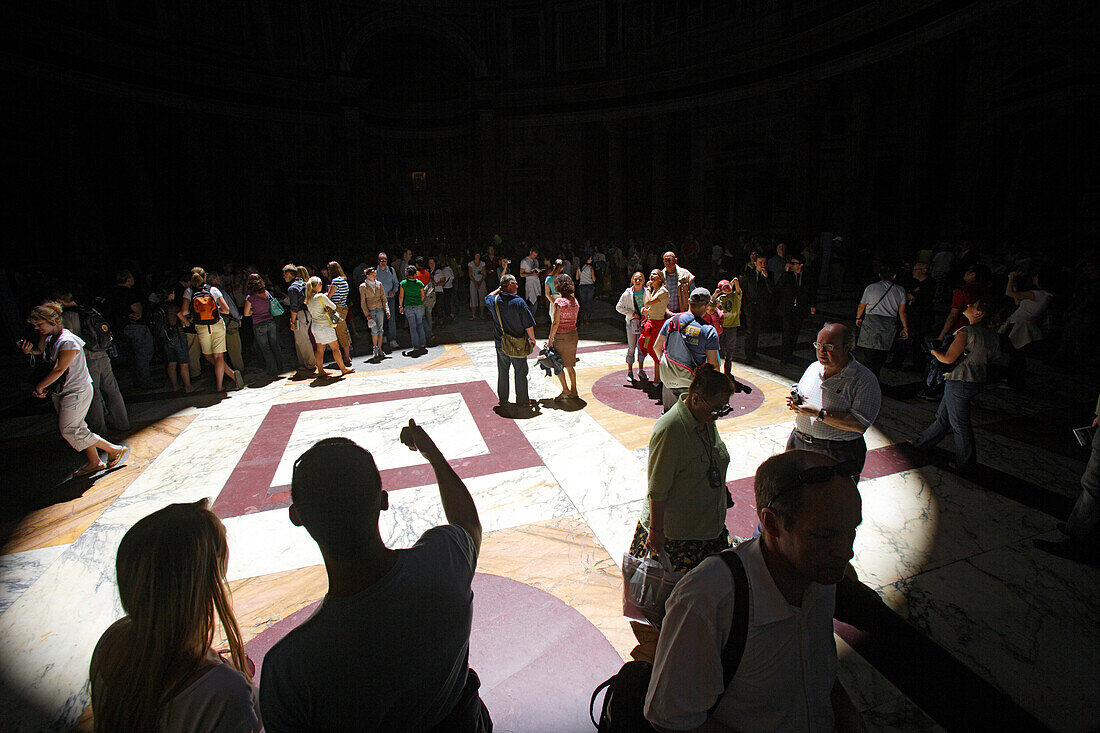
(796, 396)
(714, 477)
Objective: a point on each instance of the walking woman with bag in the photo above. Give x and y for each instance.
(69, 384)
(973, 347)
(155, 669)
(260, 305)
(322, 316)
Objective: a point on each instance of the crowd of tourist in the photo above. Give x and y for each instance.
(154, 670)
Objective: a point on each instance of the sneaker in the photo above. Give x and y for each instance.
(393, 343)
(238, 378)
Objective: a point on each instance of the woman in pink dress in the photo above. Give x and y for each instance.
(563, 334)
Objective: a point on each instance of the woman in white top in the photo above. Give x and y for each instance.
(630, 307)
(73, 394)
(320, 310)
(155, 669)
(1023, 326)
(476, 270)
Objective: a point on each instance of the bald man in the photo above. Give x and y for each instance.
(838, 399)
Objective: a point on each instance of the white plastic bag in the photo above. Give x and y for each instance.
(647, 584)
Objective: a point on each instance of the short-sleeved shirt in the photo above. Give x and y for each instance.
(788, 669)
(77, 376)
(296, 295)
(567, 310)
(221, 699)
(962, 298)
(658, 307)
(854, 389)
(477, 270)
(588, 275)
(549, 281)
(413, 289)
(261, 307)
(683, 275)
(389, 280)
(982, 347)
(883, 299)
(681, 451)
(515, 314)
(684, 353)
(392, 657)
(340, 297)
(214, 293)
(730, 303)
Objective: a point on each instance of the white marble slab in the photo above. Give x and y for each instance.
(1024, 620)
(19, 570)
(377, 427)
(925, 518)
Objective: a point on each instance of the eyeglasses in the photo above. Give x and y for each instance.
(827, 348)
(382, 259)
(815, 475)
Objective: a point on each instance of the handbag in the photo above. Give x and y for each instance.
(276, 307)
(516, 347)
(333, 317)
(647, 584)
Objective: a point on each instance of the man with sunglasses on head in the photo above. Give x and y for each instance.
(836, 400)
(785, 680)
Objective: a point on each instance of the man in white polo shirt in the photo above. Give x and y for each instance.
(838, 399)
(786, 679)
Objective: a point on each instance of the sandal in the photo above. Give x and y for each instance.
(118, 459)
(87, 470)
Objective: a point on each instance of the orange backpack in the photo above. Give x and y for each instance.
(204, 309)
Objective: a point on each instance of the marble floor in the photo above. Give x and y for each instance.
(558, 496)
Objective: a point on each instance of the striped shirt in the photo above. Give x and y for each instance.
(340, 297)
(854, 389)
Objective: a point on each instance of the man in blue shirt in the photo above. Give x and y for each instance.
(510, 314)
(390, 281)
(685, 342)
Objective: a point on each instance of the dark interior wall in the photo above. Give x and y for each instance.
(299, 125)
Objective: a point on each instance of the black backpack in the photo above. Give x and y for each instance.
(94, 329)
(624, 702)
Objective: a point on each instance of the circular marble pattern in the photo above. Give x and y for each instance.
(617, 392)
(522, 639)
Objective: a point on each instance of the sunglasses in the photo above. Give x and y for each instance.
(815, 475)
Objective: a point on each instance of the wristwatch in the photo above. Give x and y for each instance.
(821, 414)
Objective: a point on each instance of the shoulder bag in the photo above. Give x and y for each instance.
(517, 347)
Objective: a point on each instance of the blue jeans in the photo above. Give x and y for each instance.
(141, 342)
(414, 314)
(428, 323)
(377, 321)
(392, 325)
(585, 295)
(954, 414)
(268, 343)
(520, 365)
